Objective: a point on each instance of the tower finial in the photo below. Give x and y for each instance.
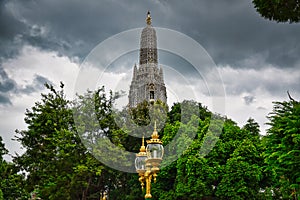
(148, 20)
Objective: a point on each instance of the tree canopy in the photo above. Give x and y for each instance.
(279, 10)
(208, 156)
(282, 154)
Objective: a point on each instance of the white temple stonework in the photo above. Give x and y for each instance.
(148, 79)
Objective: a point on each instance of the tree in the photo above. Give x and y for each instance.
(96, 125)
(12, 182)
(279, 10)
(57, 164)
(282, 154)
(242, 173)
(232, 169)
(201, 163)
(3, 151)
(252, 128)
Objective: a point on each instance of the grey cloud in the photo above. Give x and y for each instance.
(4, 99)
(231, 31)
(73, 27)
(249, 99)
(41, 80)
(261, 108)
(9, 87)
(36, 85)
(6, 84)
(274, 87)
(11, 30)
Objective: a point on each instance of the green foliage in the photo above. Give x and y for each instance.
(230, 170)
(192, 177)
(207, 156)
(242, 173)
(279, 10)
(252, 128)
(3, 150)
(282, 154)
(11, 183)
(55, 159)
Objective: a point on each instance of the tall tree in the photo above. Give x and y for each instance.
(282, 154)
(57, 164)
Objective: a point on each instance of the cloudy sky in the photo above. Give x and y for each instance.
(256, 60)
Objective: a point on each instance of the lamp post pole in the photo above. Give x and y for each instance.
(148, 160)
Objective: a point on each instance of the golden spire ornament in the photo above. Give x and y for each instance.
(148, 20)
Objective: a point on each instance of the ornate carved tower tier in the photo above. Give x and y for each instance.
(147, 81)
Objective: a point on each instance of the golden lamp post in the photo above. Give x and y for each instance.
(148, 160)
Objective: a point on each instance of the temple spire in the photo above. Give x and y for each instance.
(148, 20)
(147, 81)
(148, 44)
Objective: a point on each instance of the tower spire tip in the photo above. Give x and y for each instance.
(148, 20)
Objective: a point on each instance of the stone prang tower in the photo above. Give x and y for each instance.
(148, 79)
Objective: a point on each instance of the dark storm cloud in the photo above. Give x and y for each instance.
(73, 27)
(10, 30)
(6, 84)
(36, 85)
(9, 87)
(232, 31)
